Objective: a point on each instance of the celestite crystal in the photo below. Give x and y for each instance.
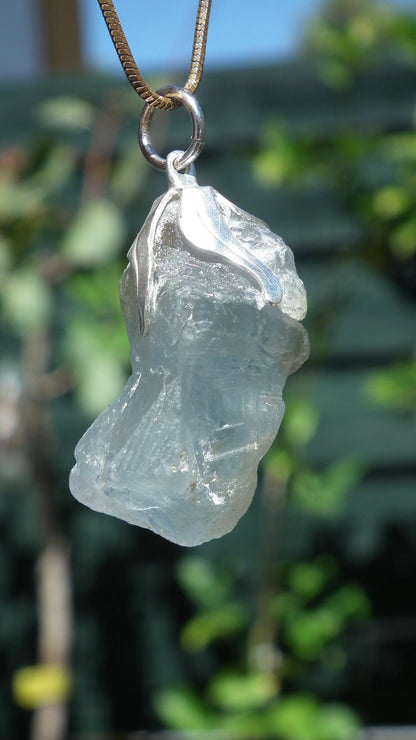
(212, 304)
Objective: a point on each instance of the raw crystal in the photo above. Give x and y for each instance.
(178, 451)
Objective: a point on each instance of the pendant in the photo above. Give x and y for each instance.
(212, 304)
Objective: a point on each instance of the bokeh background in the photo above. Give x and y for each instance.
(301, 624)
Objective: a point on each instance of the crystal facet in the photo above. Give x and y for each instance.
(212, 304)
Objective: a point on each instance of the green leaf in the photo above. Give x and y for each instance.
(19, 200)
(324, 493)
(392, 201)
(309, 632)
(285, 605)
(300, 421)
(5, 256)
(337, 722)
(206, 586)
(294, 718)
(55, 171)
(283, 158)
(350, 602)
(399, 147)
(129, 175)
(27, 301)
(309, 579)
(394, 387)
(403, 238)
(100, 384)
(97, 292)
(66, 113)
(212, 625)
(236, 691)
(242, 725)
(335, 74)
(98, 371)
(96, 235)
(279, 464)
(182, 709)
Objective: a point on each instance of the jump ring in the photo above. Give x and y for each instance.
(198, 129)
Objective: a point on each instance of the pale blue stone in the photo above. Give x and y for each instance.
(178, 451)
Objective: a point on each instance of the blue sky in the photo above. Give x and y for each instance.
(160, 31)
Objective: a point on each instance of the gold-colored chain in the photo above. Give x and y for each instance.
(131, 69)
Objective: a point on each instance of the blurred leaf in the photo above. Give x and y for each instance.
(97, 292)
(19, 200)
(300, 717)
(325, 493)
(27, 300)
(309, 579)
(96, 235)
(337, 722)
(394, 387)
(5, 256)
(403, 238)
(55, 171)
(242, 725)
(279, 464)
(400, 147)
(300, 421)
(182, 709)
(391, 201)
(203, 584)
(334, 658)
(129, 174)
(101, 384)
(350, 602)
(66, 114)
(294, 718)
(335, 73)
(99, 372)
(284, 605)
(363, 29)
(38, 685)
(237, 691)
(310, 631)
(213, 625)
(282, 157)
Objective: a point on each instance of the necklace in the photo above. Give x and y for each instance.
(212, 304)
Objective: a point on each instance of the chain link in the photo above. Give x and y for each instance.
(162, 102)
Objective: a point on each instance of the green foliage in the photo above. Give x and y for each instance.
(96, 235)
(310, 610)
(182, 709)
(301, 422)
(302, 718)
(66, 114)
(350, 34)
(27, 301)
(284, 159)
(347, 39)
(298, 717)
(307, 580)
(325, 492)
(235, 691)
(314, 611)
(206, 586)
(219, 616)
(213, 624)
(98, 374)
(129, 174)
(56, 254)
(394, 387)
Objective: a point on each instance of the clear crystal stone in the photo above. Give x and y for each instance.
(178, 451)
